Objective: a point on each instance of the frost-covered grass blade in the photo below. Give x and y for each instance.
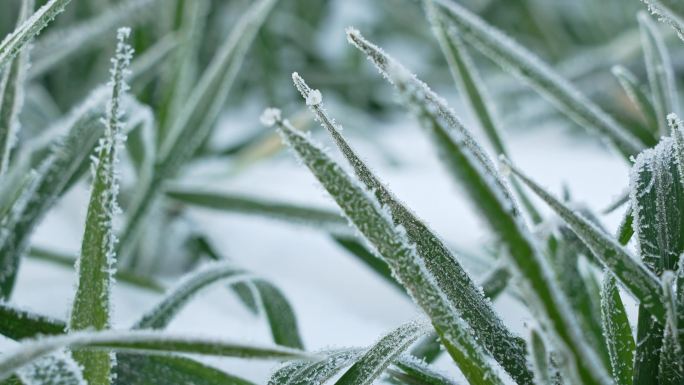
(514, 58)
(637, 95)
(375, 360)
(666, 14)
(391, 243)
(457, 286)
(12, 95)
(472, 167)
(617, 330)
(641, 283)
(96, 263)
(660, 72)
(14, 42)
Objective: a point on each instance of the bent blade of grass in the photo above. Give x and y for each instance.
(640, 282)
(617, 330)
(470, 83)
(666, 15)
(61, 44)
(326, 220)
(281, 318)
(390, 242)
(677, 134)
(314, 372)
(524, 64)
(143, 342)
(160, 316)
(370, 365)
(464, 157)
(12, 95)
(642, 101)
(22, 35)
(131, 369)
(453, 280)
(96, 264)
(660, 73)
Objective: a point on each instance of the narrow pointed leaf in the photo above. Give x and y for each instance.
(14, 42)
(641, 283)
(12, 95)
(376, 359)
(667, 15)
(469, 82)
(464, 157)
(280, 316)
(314, 372)
(637, 95)
(660, 72)
(390, 242)
(617, 330)
(524, 64)
(453, 280)
(326, 220)
(19, 324)
(96, 263)
(416, 370)
(671, 366)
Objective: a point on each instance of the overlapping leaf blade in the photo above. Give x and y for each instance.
(375, 360)
(522, 63)
(471, 166)
(660, 72)
(453, 280)
(617, 330)
(390, 242)
(12, 95)
(14, 42)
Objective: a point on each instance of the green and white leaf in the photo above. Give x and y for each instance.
(23, 34)
(617, 330)
(464, 157)
(96, 263)
(458, 287)
(12, 95)
(370, 365)
(516, 59)
(177, 297)
(660, 72)
(390, 241)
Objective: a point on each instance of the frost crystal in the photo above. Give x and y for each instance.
(314, 98)
(270, 117)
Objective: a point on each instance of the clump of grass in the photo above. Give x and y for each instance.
(582, 333)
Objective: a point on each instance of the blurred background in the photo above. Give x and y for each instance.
(338, 300)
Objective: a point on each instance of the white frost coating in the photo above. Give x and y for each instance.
(452, 279)
(139, 342)
(315, 98)
(270, 116)
(666, 15)
(378, 227)
(55, 369)
(317, 372)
